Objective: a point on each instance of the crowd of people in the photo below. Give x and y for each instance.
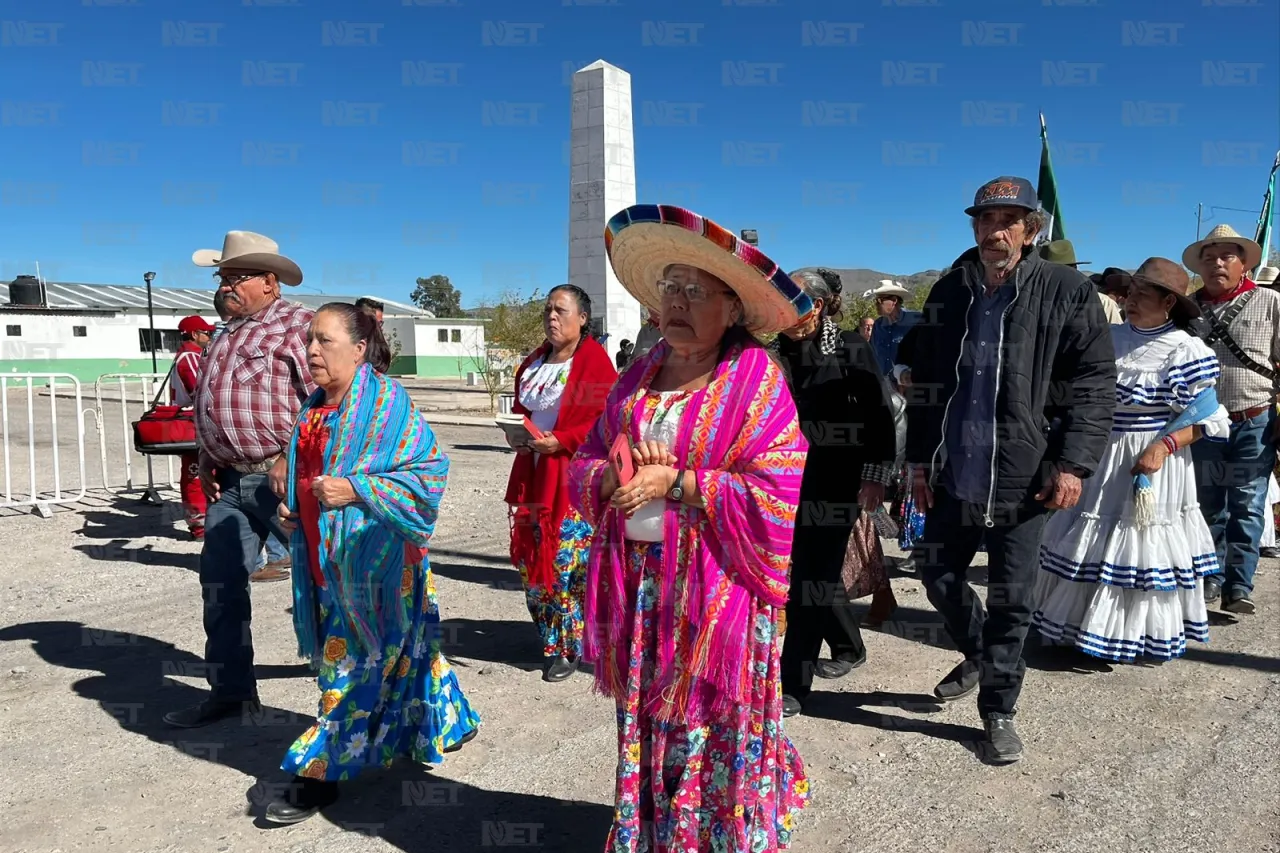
(693, 519)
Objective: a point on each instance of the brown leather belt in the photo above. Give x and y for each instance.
(257, 467)
(1247, 414)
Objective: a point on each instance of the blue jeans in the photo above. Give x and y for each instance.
(274, 553)
(1231, 484)
(236, 528)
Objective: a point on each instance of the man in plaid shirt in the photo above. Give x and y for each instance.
(1232, 476)
(253, 384)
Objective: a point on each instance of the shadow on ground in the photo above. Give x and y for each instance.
(514, 644)
(406, 805)
(128, 517)
(849, 708)
(484, 448)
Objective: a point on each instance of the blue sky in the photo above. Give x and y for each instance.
(850, 134)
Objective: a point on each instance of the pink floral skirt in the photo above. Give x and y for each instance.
(733, 783)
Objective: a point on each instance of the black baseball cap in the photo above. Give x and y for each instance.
(1005, 191)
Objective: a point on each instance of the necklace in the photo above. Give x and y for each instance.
(828, 337)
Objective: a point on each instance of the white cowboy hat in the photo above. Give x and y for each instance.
(1222, 234)
(888, 287)
(249, 251)
(1268, 275)
(644, 239)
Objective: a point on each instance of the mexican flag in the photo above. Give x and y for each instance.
(1047, 189)
(1263, 235)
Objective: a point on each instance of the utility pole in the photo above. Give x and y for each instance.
(151, 320)
(1199, 214)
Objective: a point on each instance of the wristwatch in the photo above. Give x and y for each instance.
(677, 491)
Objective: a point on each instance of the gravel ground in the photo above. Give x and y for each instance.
(102, 635)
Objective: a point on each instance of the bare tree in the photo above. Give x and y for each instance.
(514, 329)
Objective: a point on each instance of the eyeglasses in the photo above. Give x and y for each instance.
(230, 280)
(693, 291)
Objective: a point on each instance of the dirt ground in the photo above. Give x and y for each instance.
(100, 634)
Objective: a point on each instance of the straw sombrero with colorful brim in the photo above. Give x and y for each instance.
(643, 240)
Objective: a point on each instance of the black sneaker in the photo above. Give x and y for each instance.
(306, 798)
(558, 669)
(1003, 746)
(1269, 552)
(1239, 603)
(210, 711)
(790, 705)
(1212, 588)
(959, 682)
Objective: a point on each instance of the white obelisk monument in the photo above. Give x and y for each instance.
(602, 181)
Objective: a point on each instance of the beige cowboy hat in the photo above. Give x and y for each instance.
(1267, 276)
(888, 287)
(644, 239)
(249, 251)
(1222, 234)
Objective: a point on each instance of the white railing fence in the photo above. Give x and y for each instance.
(23, 423)
(134, 393)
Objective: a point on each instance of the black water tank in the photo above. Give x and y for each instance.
(25, 290)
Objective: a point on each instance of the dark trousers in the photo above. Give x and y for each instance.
(817, 610)
(236, 526)
(953, 531)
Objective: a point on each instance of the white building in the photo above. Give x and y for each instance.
(89, 330)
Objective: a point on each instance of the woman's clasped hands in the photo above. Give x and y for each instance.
(655, 476)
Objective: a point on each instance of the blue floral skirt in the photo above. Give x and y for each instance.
(403, 700)
(557, 610)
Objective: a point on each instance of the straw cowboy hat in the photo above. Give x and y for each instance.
(1267, 276)
(644, 239)
(1166, 275)
(888, 288)
(1222, 234)
(249, 251)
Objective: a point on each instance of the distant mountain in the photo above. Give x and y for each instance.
(858, 281)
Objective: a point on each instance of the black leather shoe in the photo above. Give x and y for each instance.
(1239, 603)
(210, 711)
(790, 705)
(466, 739)
(959, 682)
(305, 799)
(1212, 588)
(838, 667)
(1269, 552)
(832, 668)
(1003, 745)
(559, 669)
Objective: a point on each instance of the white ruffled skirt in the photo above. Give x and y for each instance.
(1114, 589)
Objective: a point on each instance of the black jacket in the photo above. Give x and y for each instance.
(844, 414)
(1057, 376)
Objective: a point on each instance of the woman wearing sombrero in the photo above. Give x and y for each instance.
(689, 565)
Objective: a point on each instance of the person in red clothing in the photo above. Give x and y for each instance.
(196, 333)
(561, 387)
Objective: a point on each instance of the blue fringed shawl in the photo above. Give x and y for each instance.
(380, 442)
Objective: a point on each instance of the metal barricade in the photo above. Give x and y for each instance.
(131, 389)
(29, 423)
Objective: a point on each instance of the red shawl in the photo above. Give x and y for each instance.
(539, 495)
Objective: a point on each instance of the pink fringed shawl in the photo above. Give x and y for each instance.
(741, 436)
